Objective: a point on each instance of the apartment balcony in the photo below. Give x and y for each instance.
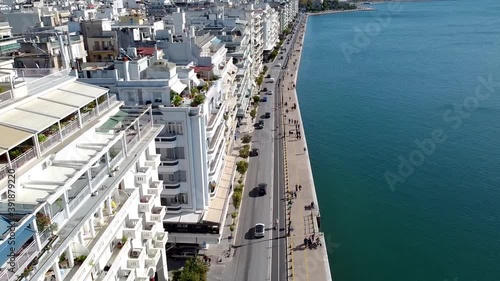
(172, 188)
(158, 213)
(169, 165)
(153, 257)
(136, 258)
(155, 188)
(67, 129)
(149, 230)
(153, 161)
(143, 175)
(160, 240)
(146, 203)
(166, 141)
(115, 156)
(22, 158)
(174, 208)
(117, 255)
(49, 142)
(215, 139)
(132, 228)
(126, 275)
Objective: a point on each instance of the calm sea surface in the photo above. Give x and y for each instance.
(363, 111)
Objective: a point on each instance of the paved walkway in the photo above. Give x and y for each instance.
(307, 263)
(222, 253)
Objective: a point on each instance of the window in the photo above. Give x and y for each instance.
(160, 177)
(182, 176)
(158, 151)
(171, 153)
(174, 128)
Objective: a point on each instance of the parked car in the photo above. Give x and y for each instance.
(271, 80)
(262, 188)
(264, 90)
(260, 229)
(268, 115)
(263, 99)
(254, 152)
(184, 254)
(278, 65)
(268, 76)
(270, 93)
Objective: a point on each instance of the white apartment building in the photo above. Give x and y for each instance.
(193, 143)
(78, 182)
(270, 31)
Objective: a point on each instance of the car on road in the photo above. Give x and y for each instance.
(270, 93)
(260, 230)
(271, 80)
(278, 65)
(268, 115)
(262, 188)
(268, 76)
(254, 152)
(184, 254)
(264, 90)
(263, 99)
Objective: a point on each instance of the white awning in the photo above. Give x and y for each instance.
(12, 137)
(84, 89)
(178, 87)
(196, 81)
(48, 108)
(26, 120)
(67, 98)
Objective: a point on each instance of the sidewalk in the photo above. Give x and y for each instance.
(306, 263)
(223, 251)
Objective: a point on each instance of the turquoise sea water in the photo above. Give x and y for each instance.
(443, 221)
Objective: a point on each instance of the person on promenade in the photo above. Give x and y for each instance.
(296, 187)
(300, 187)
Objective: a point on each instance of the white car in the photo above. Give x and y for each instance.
(260, 229)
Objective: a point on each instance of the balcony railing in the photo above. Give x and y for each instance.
(169, 162)
(88, 116)
(172, 185)
(44, 236)
(24, 256)
(112, 99)
(131, 143)
(3, 171)
(116, 159)
(23, 158)
(47, 77)
(5, 96)
(99, 177)
(50, 142)
(79, 198)
(59, 218)
(146, 127)
(69, 128)
(167, 139)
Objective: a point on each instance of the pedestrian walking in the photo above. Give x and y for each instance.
(305, 242)
(296, 187)
(300, 187)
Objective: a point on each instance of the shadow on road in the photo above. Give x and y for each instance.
(258, 241)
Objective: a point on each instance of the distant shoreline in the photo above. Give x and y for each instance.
(363, 9)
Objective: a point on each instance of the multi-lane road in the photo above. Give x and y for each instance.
(260, 259)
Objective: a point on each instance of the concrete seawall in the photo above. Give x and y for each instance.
(306, 262)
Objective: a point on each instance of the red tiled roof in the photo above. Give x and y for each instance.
(202, 68)
(146, 51)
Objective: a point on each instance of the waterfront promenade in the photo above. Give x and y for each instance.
(305, 263)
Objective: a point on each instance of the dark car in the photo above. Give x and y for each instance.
(263, 99)
(262, 188)
(268, 76)
(254, 152)
(268, 115)
(184, 254)
(264, 90)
